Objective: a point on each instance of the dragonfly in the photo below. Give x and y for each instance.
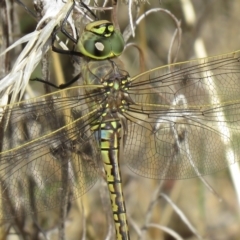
(172, 122)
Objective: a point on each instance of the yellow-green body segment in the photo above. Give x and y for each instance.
(109, 133)
(110, 152)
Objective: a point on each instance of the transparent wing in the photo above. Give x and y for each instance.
(186, 118)
(48, 151)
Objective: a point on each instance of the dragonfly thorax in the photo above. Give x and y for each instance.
(113, 82)
(117, 98)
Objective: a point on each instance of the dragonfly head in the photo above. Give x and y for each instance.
(100, 40)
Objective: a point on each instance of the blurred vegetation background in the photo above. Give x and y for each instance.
(217, 24)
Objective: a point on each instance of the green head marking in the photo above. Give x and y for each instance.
(101, 41)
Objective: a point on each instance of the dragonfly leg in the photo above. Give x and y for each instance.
(61, 86)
